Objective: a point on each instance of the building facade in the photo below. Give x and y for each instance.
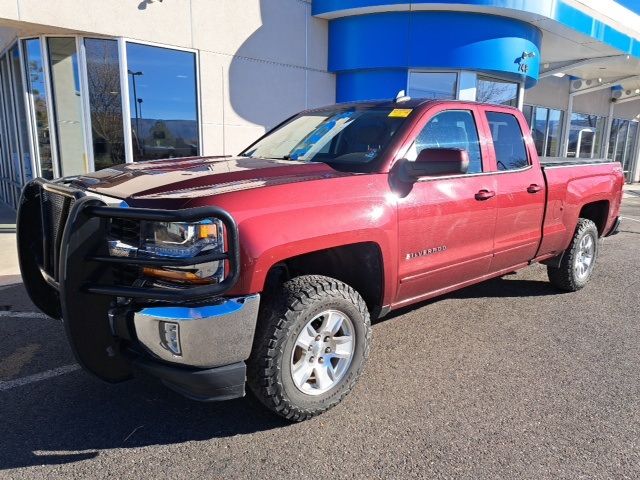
(88, 85)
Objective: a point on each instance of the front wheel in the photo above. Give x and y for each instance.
(311, 343)
(579, 259)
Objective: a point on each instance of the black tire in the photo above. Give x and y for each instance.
(282, 317)
(565, 276)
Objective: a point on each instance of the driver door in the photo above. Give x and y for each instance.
(446, 224)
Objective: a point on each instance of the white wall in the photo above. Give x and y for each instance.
(551, 92)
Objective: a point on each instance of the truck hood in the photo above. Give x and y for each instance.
(199, 176)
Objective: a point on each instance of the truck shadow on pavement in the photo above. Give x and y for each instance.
(74, 417)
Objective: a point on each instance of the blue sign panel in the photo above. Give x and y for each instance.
(372, 53)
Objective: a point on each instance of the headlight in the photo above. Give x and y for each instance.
(180, 240)
(175, 240)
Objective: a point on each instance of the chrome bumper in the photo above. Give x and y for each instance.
(205, 337)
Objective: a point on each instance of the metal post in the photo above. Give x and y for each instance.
(124, 94)
(520, 96)
(607, 130)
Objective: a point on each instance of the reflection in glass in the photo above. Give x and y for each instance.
(546, 125)
(21, 116)
(432, 85)
(38, 96)
(553, 133)
(12, 172)
(622, 143)
(539, 128)
(105, 102)
(585, 135)
(163, 101)
(63, 60)
(630, 149)
(490, 90)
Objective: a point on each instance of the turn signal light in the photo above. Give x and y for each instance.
(176, 276)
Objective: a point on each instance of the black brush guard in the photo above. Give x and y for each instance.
(69, 274)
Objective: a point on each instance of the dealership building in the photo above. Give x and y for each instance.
(88, 85)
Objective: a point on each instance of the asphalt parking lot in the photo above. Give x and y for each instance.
(507, 379)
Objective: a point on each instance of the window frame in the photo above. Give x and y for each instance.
(475, 123)
(124, 89)
(457, 73)
(488, 168)
(496, 79)
(596, 155)
(84, 94)
(527, 140)
(547, 129)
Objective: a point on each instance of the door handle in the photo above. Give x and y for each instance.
(533, 188)
(485, 194)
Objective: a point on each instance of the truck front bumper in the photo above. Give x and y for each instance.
(201, 350)
(203, 337)
(193, 338)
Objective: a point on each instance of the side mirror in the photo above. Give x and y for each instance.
(433, 162)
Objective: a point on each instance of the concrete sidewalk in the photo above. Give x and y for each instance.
(631, 190)
(9, 270)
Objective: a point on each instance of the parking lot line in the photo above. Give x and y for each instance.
(632, 219)
(8, 313)
(37, 377)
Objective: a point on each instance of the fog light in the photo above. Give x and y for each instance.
(170, 334)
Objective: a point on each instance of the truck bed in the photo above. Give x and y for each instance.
(571, 184)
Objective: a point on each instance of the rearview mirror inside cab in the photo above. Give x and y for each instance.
(437, 162)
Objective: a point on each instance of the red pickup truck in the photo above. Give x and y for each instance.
(266, 268)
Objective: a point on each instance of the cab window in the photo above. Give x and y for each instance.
(508, 142)
(450, 129)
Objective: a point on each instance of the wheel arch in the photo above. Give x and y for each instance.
(359, 265)
(598, 213)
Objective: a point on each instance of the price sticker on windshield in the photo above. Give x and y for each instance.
(400, 112)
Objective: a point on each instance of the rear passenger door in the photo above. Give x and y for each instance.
(520, 190)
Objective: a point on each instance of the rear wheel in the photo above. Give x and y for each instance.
(311, 343)
(578, 261)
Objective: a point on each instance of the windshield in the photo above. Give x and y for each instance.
(334, 136)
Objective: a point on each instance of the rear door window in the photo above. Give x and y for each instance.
(508, 141)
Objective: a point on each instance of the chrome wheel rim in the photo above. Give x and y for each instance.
(585, 256)
(323, 352)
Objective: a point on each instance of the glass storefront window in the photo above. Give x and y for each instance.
(623, 143)
(12, 163)
(585, 136)
(7, 188)
(163, 101)
(630, 149)
(38, 98)
(432, 85)
(105, 102)
(67, 102)
(21, 115)
(554, 131)
(501, 92)
(546, 125)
